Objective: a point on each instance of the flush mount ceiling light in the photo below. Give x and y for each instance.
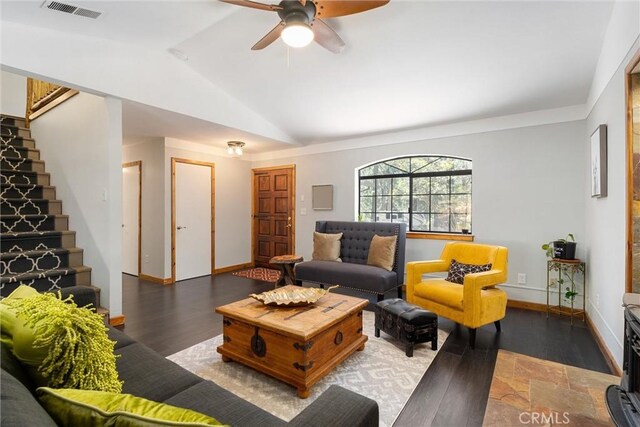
(234, 148)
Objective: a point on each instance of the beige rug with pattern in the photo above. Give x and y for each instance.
(526, 391)
(381, 372)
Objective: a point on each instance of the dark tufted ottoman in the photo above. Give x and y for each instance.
(407, 322)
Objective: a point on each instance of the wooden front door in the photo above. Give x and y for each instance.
(273, 213)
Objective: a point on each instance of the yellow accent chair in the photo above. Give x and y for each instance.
(477, 301)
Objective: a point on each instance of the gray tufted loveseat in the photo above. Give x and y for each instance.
(353, 272)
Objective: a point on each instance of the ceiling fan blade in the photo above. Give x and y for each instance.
(333, 8)
(254, 5)
(326, 37)
(270, 37)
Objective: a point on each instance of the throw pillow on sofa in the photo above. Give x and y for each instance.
(326, 247)
(61, 344)
(8, 318)
(69, 407)
(382, 251)
(458, 270)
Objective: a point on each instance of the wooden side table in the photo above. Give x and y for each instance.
(286, 264)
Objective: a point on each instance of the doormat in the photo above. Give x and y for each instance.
(381, 372)
(259, 273)
(529, 391)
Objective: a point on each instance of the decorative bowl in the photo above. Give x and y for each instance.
(297, 297)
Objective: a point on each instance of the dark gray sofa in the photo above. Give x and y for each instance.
(147, 374)
(353, 272)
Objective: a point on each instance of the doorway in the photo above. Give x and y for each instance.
(131, 217)
(273, 213)
(192, 218)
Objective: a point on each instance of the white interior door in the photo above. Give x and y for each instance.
(193, 220)
(130, 218)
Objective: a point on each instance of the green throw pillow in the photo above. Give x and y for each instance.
(61, 344)
(70, 407)
(8, 317)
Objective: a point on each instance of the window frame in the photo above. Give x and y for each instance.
(411, 176)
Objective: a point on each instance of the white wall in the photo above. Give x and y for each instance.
(605, 218)
(168, 82)
(151, 152)
(528, 189)
(233, 203)
(13, 97)
(80, 141)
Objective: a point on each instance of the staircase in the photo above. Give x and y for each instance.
(36, 246)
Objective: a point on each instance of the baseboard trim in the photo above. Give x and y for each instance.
(232, 268)
(155, 279)
(611, 361)
(526, 305)
(116, 320)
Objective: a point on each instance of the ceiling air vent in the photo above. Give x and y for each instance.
(70, 9)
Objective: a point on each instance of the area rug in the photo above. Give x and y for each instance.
(259, 273)
(530, 391)
(381, 372)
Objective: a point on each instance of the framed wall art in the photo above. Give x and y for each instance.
(322, 197)
(598, 171)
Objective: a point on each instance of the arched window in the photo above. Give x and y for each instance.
(428, 193)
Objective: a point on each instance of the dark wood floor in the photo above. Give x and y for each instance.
(453, 392)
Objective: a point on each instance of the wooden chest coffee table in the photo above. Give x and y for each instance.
(297, 345)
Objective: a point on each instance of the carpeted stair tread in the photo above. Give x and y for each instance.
(19, 152)
(39, 274)
(48, 280)
(12, 129)
(28, 234)
(22, 241)
(24, 177)
(35, 223)
(4, 256)
(12, 120)
(17, 141)
(26, 191)
(40, 259)
(24, 206)
(22, 164)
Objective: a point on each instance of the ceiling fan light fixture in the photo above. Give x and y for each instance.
(297, 34)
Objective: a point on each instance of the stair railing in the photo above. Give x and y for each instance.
(43, 96)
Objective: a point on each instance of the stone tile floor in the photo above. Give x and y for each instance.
(534, 392)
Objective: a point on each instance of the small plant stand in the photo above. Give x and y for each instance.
(567, 270)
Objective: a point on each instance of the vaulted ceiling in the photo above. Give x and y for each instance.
(406, 65)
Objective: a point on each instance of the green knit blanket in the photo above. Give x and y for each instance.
(78, 352)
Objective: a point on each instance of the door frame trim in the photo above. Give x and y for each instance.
(254, 172)
(138, 163)
(212, 166)
(635, 60)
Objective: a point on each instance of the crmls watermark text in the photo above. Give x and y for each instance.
(543, 418)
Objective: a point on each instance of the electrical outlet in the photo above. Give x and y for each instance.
(522, 279)
(303, 211)
(146, 259)
(597, 300)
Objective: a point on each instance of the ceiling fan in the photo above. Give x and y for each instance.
(301, 23)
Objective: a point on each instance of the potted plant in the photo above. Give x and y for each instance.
(561, 248)
(571, 290)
